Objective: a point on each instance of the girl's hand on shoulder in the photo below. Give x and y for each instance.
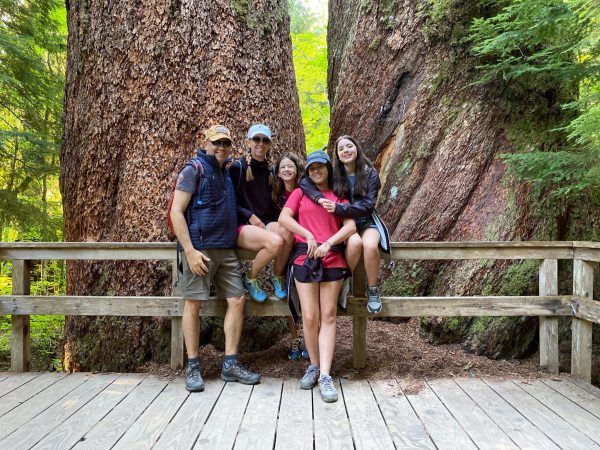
(328, 205)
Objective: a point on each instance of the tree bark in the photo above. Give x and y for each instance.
(405, 93)
(144, 79)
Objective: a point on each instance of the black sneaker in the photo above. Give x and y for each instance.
(193, 379)
(237, 372)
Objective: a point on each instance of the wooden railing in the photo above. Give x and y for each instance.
(548, 305)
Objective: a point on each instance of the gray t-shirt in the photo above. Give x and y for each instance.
(186, 181)
(351, 183)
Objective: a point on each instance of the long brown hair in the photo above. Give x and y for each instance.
(340, 177)
(278, 186)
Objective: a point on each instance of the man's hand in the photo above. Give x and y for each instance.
(196, 261)
(256, 222)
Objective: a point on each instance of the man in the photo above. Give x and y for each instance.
(204, 219)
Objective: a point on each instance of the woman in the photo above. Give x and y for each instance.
(288, 170)
(318, 269)
(258, 229)
(355, 177)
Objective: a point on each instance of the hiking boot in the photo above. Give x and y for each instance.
(254, 289)
(237, 372)
(305, 354)
(344, 291)
(296, 350)
(278, 283)
(310, 378)
(373, 300)
(193, 379)
(328, 392)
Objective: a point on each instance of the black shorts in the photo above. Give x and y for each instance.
(303, 274)
(362, 223)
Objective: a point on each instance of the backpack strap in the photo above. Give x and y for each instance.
(199, 178)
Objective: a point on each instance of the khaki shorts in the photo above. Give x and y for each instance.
(224, 271)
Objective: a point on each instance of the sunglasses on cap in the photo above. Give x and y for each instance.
(264, 140)
(221, 143)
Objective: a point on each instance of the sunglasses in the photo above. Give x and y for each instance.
(221, 143)
(264, 140)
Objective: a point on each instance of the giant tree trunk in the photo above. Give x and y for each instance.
(143, 80)
(403, 90)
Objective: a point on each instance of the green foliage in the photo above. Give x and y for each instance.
(545, 58)
(32, 64)
(309, 44)
(46, 342)
(519, 279)
(448, 20)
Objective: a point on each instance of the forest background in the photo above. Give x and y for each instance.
(519, 46)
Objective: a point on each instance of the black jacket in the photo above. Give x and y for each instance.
(253, 197)
(359, 206)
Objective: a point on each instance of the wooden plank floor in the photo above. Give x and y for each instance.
(136, 411)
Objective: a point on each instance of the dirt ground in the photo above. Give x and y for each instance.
(393, 351)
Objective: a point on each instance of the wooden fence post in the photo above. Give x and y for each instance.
(549, 325)
(20, 358)
(581, 347)
(177, 348)
(359, 323)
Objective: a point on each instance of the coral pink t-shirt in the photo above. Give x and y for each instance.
(319, 222)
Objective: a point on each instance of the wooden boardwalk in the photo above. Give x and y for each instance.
(134, 411)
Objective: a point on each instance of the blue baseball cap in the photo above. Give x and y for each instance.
(318, 156)
(259, 129)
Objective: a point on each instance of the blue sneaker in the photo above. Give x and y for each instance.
(296, 350)
(305, 354)
(310, 378)
(278, 283)
(328, 392)
(254, 289)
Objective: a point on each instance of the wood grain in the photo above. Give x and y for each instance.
(548, 330)
(222, 426)
(295, 426)
(405, 427)
(75, 427)
(551, 424)
(581, 342)
(521, 431)
(258, 427)
(368, 425)
(332, 428)
(112, 426)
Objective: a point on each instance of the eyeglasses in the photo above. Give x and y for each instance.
(264, 140)
(221, 143)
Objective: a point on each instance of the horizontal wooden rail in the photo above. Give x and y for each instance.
(400, 250)
(547, 305)
(586, 251)
(88, 250)
(482, 250)
(555, 305)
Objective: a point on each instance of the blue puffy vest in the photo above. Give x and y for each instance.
(211, 215)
